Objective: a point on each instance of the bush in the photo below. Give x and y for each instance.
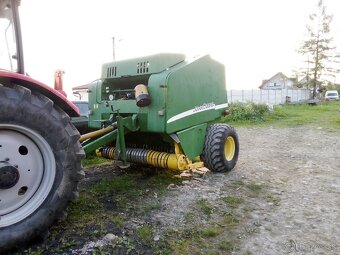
(247, 111)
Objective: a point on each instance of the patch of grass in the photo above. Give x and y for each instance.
(273, 199)
(150, 207)
(98, 209)
(206, 207)
(123, 183)
(126, 243)
(65, 243)
(233, 202)
(211, 231)
(227, 245)
(246, 111)
(186, 241)
(84, 210)
(99, 250)
(145, 233)
(160, 180)
(202, 239)
(190, 217)
(255, 188)
(181, 247)
(324, 114)
(117, 220)
(35, 252)
(229, 219)
(92, 160)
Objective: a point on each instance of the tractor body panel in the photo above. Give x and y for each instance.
(36, 86)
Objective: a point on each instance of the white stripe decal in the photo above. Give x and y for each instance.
(220, 106)
(205, 107)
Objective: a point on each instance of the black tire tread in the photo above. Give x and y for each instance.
(213, 152)
(20, 106)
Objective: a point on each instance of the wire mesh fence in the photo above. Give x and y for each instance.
(273, 97)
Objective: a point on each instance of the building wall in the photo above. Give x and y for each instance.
(277, 82)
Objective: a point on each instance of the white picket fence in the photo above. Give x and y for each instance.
(273, 97)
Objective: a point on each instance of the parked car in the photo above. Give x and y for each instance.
(332, 95)
(81, 122)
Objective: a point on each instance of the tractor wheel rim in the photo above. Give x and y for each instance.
(28, 152)
(229, 148)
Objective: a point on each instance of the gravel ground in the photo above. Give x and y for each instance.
(298, 209)
(287, 182)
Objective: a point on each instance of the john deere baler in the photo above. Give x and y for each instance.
(162, 110)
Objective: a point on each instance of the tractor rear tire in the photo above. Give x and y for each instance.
(40, 165)
(221, 148)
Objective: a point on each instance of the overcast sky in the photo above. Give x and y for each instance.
(254, 39)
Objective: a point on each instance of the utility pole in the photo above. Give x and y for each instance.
(113, 49)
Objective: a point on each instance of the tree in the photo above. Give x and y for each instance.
(320, 53)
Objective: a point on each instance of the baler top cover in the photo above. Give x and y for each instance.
(140, 66)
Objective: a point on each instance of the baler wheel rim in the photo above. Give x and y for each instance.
(229, 148)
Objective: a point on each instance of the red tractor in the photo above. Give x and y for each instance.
(40, 153)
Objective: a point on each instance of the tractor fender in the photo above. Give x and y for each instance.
(59, 99)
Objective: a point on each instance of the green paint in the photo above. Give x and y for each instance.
(101, 141)
(124, 125)
(186, 95)
(192, 140)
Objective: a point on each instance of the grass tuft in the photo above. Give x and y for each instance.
(233, 202)
(227, 245)
(206, 207)
(145, 233)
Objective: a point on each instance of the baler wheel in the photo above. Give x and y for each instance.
(221, 148)
(40, 165)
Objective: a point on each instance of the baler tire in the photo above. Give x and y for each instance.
(41, 126)
(221, 148)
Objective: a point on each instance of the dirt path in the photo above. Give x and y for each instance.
(289, 182)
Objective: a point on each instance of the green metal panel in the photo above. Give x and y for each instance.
(156, 110)
(196, 93)
(139, 66)
(192, 140)
(185, 96)
(95, 101)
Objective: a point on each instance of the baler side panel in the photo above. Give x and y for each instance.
(196, 93)
(192, 140)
